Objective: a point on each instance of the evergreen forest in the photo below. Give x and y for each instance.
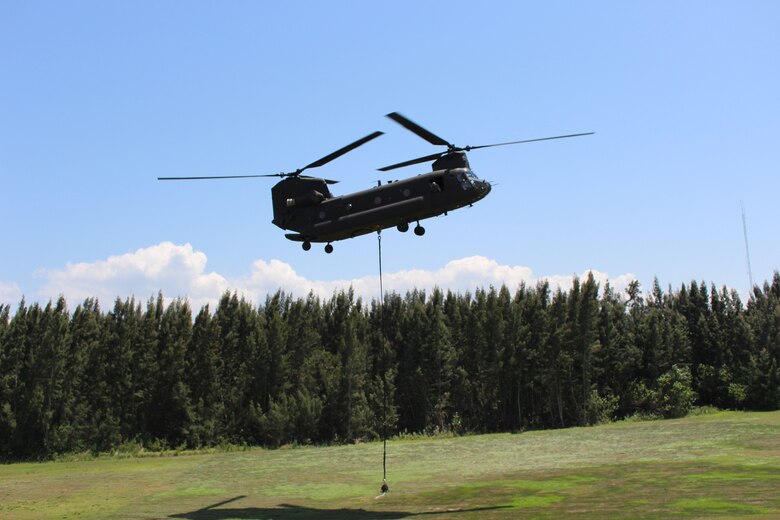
(320, 371)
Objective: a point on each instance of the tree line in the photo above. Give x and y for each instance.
(312, 370)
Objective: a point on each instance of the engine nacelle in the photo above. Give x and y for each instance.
(312, 198)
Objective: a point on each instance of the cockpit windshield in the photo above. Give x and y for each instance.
(467, 180)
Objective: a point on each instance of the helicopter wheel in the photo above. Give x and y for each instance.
(419, 230)
(306, 245)
(329, 249)
(403, 227)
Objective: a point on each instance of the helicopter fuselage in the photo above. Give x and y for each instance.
(316, 216)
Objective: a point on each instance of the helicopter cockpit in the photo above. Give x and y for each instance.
(468, 180)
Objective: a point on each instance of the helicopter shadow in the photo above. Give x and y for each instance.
(290, 511)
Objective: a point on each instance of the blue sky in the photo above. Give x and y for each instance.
(98, 99)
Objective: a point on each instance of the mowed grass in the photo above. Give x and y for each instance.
(724, 464)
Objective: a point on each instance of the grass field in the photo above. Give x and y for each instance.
(725, 464)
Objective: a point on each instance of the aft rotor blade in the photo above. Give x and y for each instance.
(467, 148)
(219, 177)
(327, 181)
(341, 151)
(413, 161)
(417, 129)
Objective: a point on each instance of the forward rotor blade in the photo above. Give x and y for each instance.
(467, 148)
(219, 177)
(417, 129)
(413, 161)
(341, 151)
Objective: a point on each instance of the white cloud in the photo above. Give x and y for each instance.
(179, 270)
(9, 293)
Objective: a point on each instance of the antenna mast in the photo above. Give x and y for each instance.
(747, 249)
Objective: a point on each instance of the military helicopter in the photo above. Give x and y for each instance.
(305, 205)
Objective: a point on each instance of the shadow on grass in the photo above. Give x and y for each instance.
(289, 511)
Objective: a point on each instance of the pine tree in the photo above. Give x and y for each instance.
(618, 359)
(6, 416)
(763, 314)
(531, 331)
(558, 361)
(587, 341)
(381, 390)
(11, 358)
(413, 394)
(438, 363)
(279, 380)
(203, 375)
(303, 320)
(347, 413)
(245, 373)
(172, 415)
(146, 371)
(86, 334)
(55, 350)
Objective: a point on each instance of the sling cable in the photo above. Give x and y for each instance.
(385, 488)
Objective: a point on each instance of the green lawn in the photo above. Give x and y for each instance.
(723, 464)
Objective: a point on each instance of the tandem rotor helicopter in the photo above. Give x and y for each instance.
(305, 205)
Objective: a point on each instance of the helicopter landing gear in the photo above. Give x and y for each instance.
(403, 227)
(419, 230)
(329, 249)
(306, 245)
